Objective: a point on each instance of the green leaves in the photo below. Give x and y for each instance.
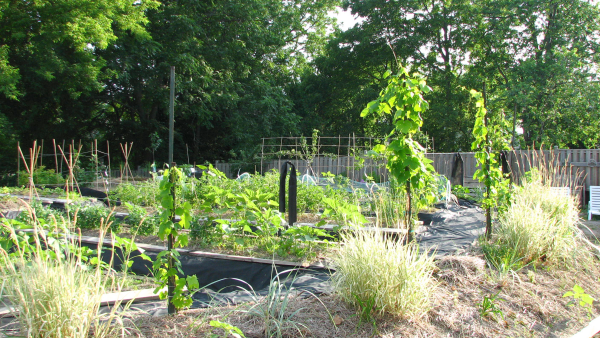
(406, 157)
(584, 300)
(489, 134)
(163, 270)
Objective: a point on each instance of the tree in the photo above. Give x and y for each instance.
(234, 60)
(541, 58)
(50, 74)
(403, 101)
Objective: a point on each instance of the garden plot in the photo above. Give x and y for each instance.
(471, 294)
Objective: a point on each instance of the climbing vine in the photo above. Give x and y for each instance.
(167, 266)
(403, 100)
(490, 136)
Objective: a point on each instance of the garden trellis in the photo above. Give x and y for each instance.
(349, 155)
(91, 166)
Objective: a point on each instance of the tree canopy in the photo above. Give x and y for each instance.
(262, 68)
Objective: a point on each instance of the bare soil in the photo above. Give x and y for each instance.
(591, 229)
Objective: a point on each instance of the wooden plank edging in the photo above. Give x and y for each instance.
(590, 330)
(108, 299)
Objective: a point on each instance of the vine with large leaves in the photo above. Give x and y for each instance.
(167, 266)
(490, 136)
(403, 100)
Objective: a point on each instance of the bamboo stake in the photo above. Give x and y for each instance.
(95, 152)
(61, 167)
(70, 164)
(18, 162)
(55, 157)
(108, 156)
(42, 154)
(126, 153)
(30, 168)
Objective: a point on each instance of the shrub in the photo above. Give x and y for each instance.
(390, 277)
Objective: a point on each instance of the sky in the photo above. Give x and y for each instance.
(345, 18)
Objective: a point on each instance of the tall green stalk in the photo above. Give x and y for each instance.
(403, 100)
(167, 266)
(489, 137)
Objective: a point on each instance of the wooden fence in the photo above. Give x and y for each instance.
(573, 167)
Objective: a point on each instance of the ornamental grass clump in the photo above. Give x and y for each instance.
(384, 274)
(54, 298)
(51, 288)
(540, 226)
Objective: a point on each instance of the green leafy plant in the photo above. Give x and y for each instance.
(143, 193)
(489, 134)
(228, 328)
(167, 265)
(403, 100)
(580, 297)
(343, 212)
(141, 223)
(91, 216)
(461, 192)
(489, 307)
(41, 176)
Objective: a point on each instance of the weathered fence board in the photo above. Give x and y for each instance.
(573, 167)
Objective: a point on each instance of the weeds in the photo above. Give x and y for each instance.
(228, 328)
(273, 310)
(366, 310)
(580, 297)
(502, 258)
(488, 306)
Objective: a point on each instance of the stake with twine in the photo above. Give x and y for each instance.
(33, 156)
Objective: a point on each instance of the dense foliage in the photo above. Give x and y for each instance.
(261, 68)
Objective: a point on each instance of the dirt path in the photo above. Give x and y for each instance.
(591, 229)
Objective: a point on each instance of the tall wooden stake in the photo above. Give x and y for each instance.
(171, 114)
(18, 162)
(55, 157)
(170, 239)
(171, 282)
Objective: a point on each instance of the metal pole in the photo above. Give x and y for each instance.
(171, 114)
